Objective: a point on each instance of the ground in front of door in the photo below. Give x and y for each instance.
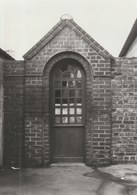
(70, 179)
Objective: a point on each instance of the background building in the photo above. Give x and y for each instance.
(130, 47)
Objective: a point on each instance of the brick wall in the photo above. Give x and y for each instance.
(1, 112)
(101, 121)
(68, 44)
(124, 111)
(13, 112)
(33, 118)
(111, 101)
(26, 102)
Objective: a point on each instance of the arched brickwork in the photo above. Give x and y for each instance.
(46, 95)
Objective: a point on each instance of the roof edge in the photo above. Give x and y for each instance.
(131, 37)
(26, 55)
(92, 42)
(5, 55)
(77, 29)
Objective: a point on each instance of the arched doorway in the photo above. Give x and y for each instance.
(67, 111)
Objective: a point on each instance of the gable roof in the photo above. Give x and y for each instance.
(4, 55)
(67, 21)
(131, 37)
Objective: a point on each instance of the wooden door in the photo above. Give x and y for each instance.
(67, 112)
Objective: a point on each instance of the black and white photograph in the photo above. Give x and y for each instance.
(68, 97)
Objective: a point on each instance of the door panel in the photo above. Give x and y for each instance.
(68, 144)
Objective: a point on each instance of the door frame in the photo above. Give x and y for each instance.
(47, 143)
(51, 84)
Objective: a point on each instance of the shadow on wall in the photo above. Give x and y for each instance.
(1, 113)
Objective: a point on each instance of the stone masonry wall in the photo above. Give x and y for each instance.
(124, 111)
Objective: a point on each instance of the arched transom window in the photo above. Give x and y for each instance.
(68, 94)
